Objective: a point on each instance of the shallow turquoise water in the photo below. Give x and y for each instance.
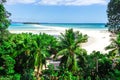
(20, 26)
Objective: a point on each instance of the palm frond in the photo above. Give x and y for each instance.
(62, 52)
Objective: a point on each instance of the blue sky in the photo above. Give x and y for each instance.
(58, 11)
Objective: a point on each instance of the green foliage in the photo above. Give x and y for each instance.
(49, 73)
(95, 66)
(27, 75)
(10, 77)
(6, 78)
(22, 56)
(28, 49)
(61, 74)
(114, 47)
(105, 67)
(7, 66)
(67, 76)
(115, 75)
(69, 48)
(4, 23)
(114, 16)
(16, 77)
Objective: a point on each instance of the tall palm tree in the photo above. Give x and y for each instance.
(69, 48)
(42, 45)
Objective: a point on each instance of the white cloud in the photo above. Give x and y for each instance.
(72, 2)
(59, 2)
(20, 1)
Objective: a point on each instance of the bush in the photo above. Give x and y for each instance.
(28, 75)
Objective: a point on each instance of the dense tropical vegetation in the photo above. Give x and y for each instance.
(28, 51)
(24, 56)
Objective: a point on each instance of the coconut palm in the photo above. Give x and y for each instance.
(42, 45)
(69, 48)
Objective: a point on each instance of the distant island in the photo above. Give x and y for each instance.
(30, 22)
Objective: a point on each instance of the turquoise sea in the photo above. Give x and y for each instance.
(21, 26)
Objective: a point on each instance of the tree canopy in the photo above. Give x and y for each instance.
(114, 16)
(2, 1)
(4, 21)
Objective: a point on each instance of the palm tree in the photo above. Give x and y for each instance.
(40, 59)
(69, 48)
(114, 47)
(42, 45)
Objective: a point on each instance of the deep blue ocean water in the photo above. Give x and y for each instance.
(21, 26)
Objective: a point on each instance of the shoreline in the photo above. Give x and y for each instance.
(97, 41)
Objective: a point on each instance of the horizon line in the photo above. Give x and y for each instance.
(57, 22)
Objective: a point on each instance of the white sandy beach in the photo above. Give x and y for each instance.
(98, 39)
